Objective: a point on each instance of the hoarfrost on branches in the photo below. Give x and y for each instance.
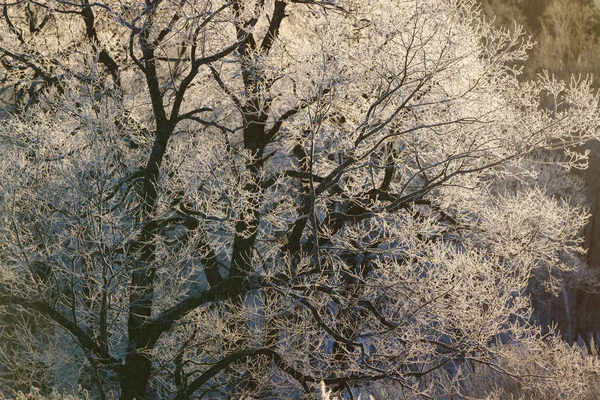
(201, 198)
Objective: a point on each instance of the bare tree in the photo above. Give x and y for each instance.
(248, 198)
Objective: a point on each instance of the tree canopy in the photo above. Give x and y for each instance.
(254, 198)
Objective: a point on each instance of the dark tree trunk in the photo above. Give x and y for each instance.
(135, 379)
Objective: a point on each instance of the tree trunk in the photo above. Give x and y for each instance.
(134, 382)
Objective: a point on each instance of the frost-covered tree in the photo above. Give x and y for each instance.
(255, 198)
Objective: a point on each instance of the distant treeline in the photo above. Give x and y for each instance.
(567, 33)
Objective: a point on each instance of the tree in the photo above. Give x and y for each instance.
(566, 35)
(567, 40)
(237, 198)
(509, 13)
